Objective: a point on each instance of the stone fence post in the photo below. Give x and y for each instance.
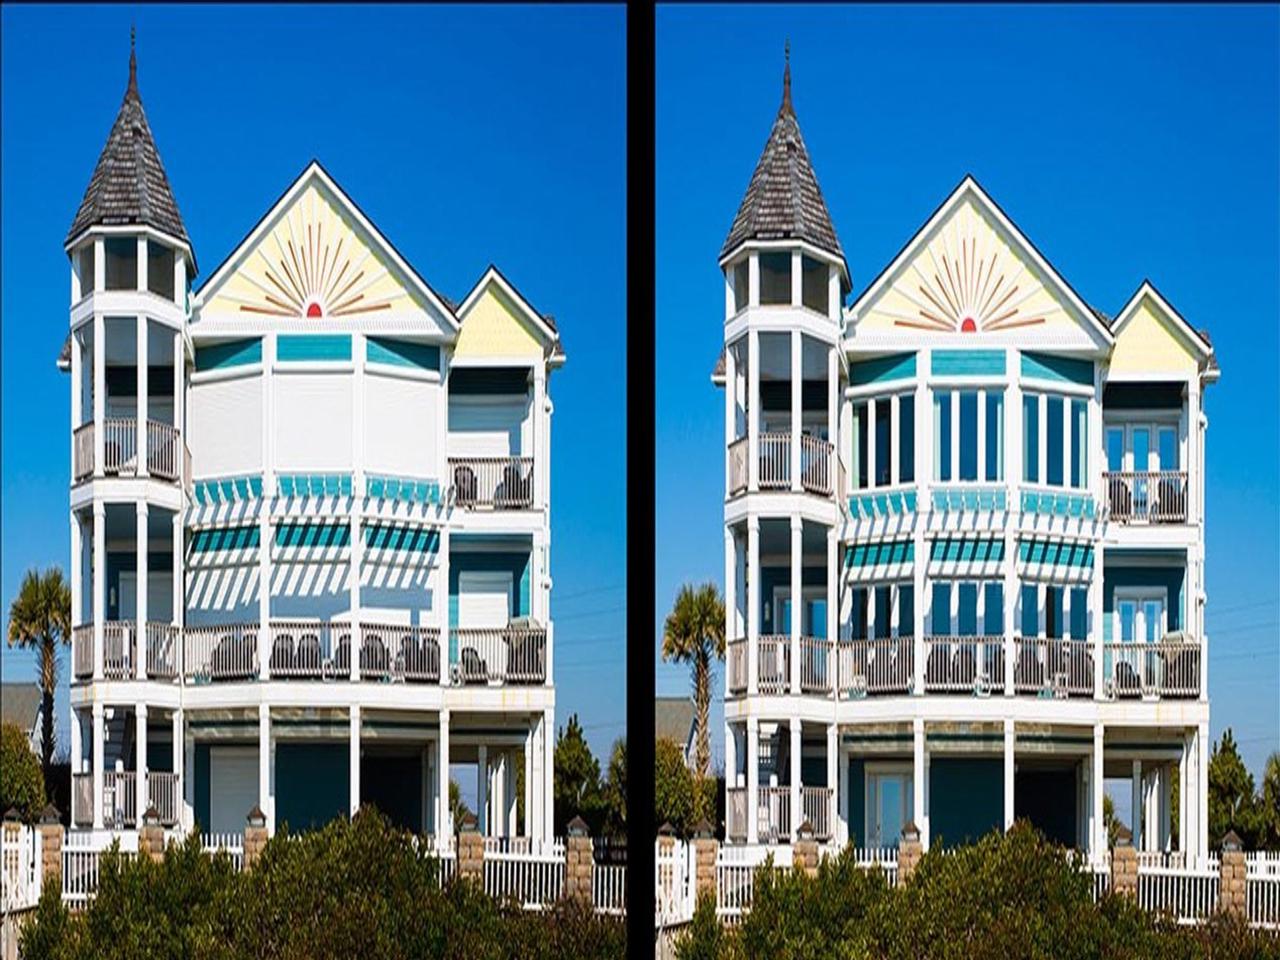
(1124, 865)
(910, 850)
(255, 836)
(470, 850)
(51, 835)
(151, 836)
(806, 851)
(1232, 876)
(706, 850)
(579, 861)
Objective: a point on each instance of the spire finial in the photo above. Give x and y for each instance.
(133, 58)
(786, 76)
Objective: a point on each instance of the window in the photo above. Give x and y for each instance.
(906, 438)
(1141, 615)
(160, 264)
(1079, 614)
(1030, 611)
(884, 610)
(1053, 441)
(993, 608)
(906, 610)
(940, 618)
(121, 263)
(1115, 448)
(775, 278)
(1031, 438)
(967, 612)
(942, 436)
(1053, 612)
(1168, 448)
(859, 470)
(884, 436)
(85, 260)
(859, 616)
(1079, 443)
(813, 284)
(741, 280)
(995, 437)
(968, 435)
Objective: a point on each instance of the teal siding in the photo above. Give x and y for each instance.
(227, 538)
(1055, 553)
(961, 550)
(313, 535)
(900, 366)
(857, 802)
(1045, 366)
(874, 554)
(1171, 578)
(967, 363)
(312, 784)
(314, 484)
(966, 799)
(395, 537)
(232, 353)
(402, 353)
(293, 347)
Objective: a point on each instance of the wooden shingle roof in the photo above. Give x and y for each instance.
(129, 185)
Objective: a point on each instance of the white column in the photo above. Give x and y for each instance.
(99, 389)
(730, 589)
(833, 419)
(140, 759)
(753, 605)
(1202, 792)
(753, 780)
(356, 560)
(99, 738)
(482, 790)
(77, 393)
(1009, 743)
(753, 407)
(548, 770)
(528, 782)
(919, 788)
(797, 279)
(354, 758)
(99, 583)
(833, 597)
(189, 781)
(541, 432)
(797, 398)
(141, 553)
(269, 490)
(444, 818)
(730, 409)
(1136, 805)
(797, 804)
(1098, 841)
(179, 772)
(797, 598)
(77, 570)
(265, 800)
(179, 578)
(1097, 615)
(833, 805)
(143, 387)
(180, 398)
(730, 757)
(77, 744)
(1166, 807)
(842, 802)
(442, 591)
(1184, 785)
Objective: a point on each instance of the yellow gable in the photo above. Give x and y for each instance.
(968, 276)
(493, 327)
(314, 263)
(1147, 343)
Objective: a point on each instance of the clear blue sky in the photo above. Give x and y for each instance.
(468, 135)
(1127, 142)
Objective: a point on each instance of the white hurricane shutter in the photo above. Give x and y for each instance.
(313, 421)
(224, 420)
(485, 429)
(401, 435)
(484, 598)
(233, 787)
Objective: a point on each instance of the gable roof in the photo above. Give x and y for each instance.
(129, 185)
(1198, 339)
(544, 323)
(783, 200)
(969, 187)
(20, 704)
(673, 719)
(315, 171)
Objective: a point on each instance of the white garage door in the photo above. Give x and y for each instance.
(233, 787)
(484, 598)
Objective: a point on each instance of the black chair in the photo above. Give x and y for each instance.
(965, 665)
(342, 657)
(1171, 502)
(309, 660)
(1120, 499)
(525, 663)
(1080, 675)
(233, 658)
(514, 491)
(464, 484)
(1028, 672)
(473, 669)
(1127, 682)
(374, 660)
(936, 667)
(282, 659)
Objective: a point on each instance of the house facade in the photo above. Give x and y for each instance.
(309, 517)
(964, 534)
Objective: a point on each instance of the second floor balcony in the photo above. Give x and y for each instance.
(493, 483)
(1147, 496)
(818, 464)
(165, 453)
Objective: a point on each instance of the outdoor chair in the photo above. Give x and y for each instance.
(474, 670)
(374, 661)
(281, 655)
(309, 659)
(464, 484)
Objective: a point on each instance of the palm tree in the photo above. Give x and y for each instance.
(40, 619)
(693, 634)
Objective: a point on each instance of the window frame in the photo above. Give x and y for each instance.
(864, 424)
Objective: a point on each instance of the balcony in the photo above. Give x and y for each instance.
(816, 803)
(165, 455)
(817, 464)
(1166, 669)
(502, 655)
(773, 814)
(120, 798)
(735, 817)
(1147, 496)
(1053, 668)
(871, 667)
(964, 664)
(492, 483)
(120, 650)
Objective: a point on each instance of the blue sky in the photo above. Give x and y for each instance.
(468, 135)
(1126, 142)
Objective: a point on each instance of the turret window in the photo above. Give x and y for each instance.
(160, 269)
(775, 279)
(877, 461)
(121, 263)
(741, 284)
(813, 285)
(85, 266)
(1062, 424)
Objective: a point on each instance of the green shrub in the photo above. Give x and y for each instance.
(21, 779)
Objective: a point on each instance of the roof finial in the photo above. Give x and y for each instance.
(786, 77)
(133, 58)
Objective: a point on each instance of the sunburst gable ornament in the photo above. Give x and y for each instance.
(967, 284)
(311, 266)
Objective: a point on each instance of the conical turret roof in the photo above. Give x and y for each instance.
(129, 185)
(783, 200)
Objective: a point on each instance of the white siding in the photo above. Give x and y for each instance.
(400, 434)
(224, 420)
(313, 421)
(487, 428)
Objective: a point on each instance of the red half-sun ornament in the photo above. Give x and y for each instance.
(314, 311)
(968, 325)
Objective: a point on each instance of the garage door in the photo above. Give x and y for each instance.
(233, 787)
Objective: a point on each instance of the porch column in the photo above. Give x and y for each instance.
(77, 391)
(265, 799)
(842, 803)
(179, 771)
(833, 740)
(753, 409)
(1097, 630)
(264, 587)
(143, 388)
(99, 387)
(1166, 807)
(797, 798)
(548, 770)
(1009, 741)
(442, 589)
(919, 789)
(98, 742)
(833, 422)
(179, 592)
(753, 605)
(797, 399)
(356, 560)
(1098, 838)
(140, 759)
(141, 541)
(730, 759)
(730, 590)
(1184, 784)
(482, 790)
(833, 605)
(797, 598)
(528, 783)
(354, 759)
(1202, 793)
(188, 782)
(77, 574)
(1136, 804)
(77, 744)
(99, 583)
(179, 396)
(730, 411)
(753, 780)
(444, 816)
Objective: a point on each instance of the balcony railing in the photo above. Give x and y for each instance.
(306, 649)
(119, 649)
(82, 651)
(119, 798)
(1165, 669)
(1147, 496)
(816, 802)
(964, 664)
(738, 453)
(82, 468)
(774, 814)
(736, 666)
(217, 653)
(162, 793)
(166, 451)
(817, 459)
(498, 483)
(774, 664)
(735, 813)
(817, 666)
(876, 666)
(1053, 667)
(516, 655)
(164, 640)
(82, 799)
(775, 461)
(400, 652)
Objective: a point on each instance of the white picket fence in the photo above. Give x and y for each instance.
(231, 843)
(20, 868)
(1189, 894)
(532, 875)
(674, 883)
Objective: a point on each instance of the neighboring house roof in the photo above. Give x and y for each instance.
(129, 185)
(20, 704)
(783, 200)
(673, 719)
